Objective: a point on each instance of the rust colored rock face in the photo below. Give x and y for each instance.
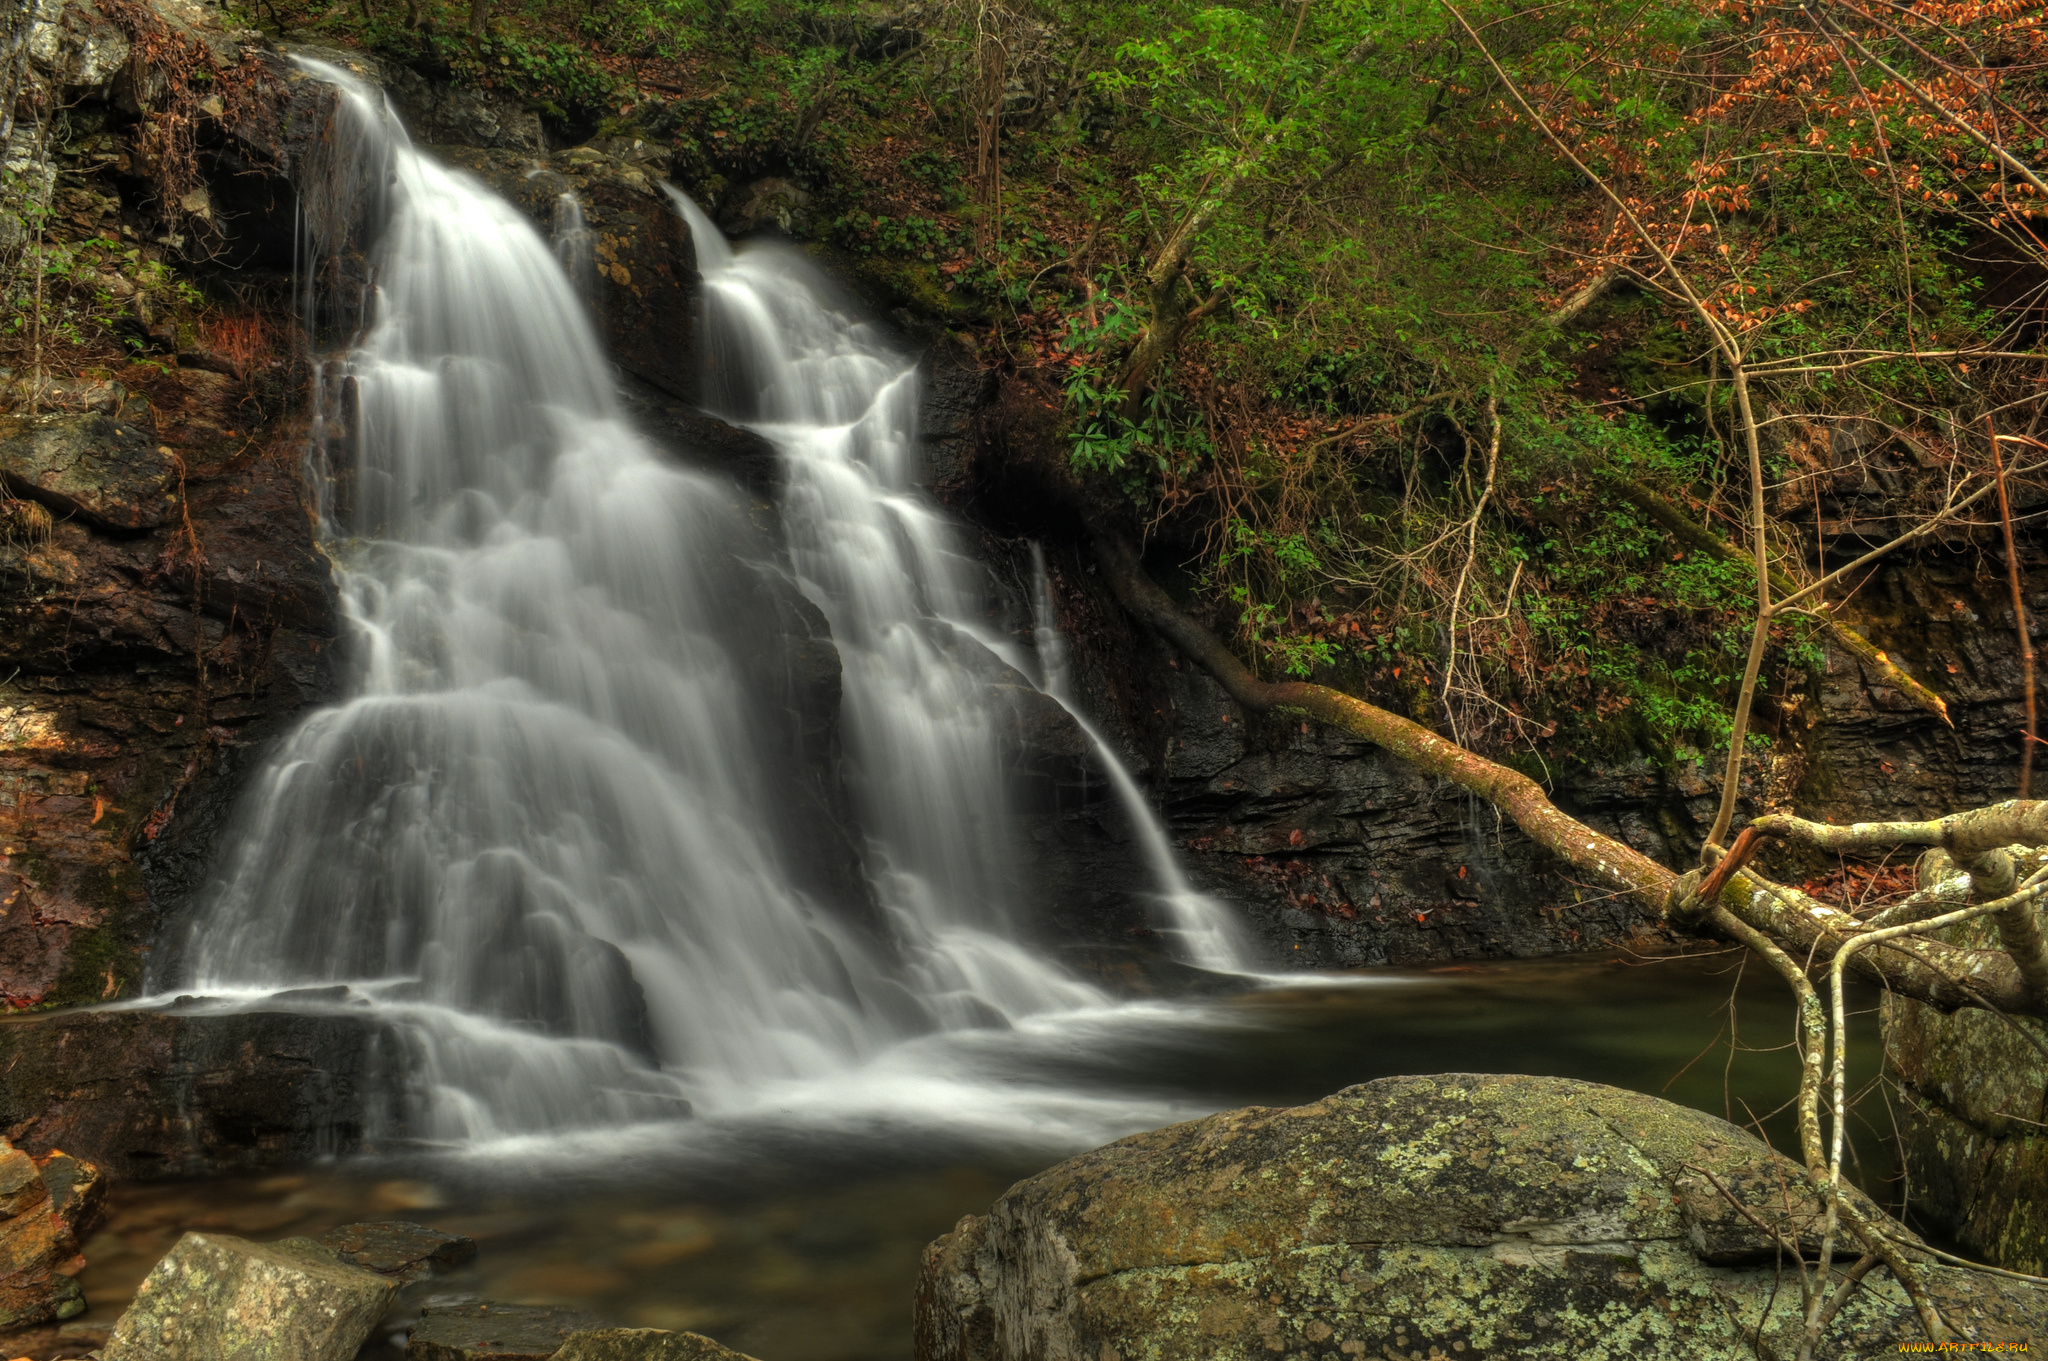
(48, 1207)
(173, 612)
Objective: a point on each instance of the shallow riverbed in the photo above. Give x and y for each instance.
(792, 1230)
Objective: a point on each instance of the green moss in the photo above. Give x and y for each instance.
(109, 951)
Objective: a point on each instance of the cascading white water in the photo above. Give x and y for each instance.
(543, 830)
(549, 832)
(575, 247)
(904, 603)
(1200, 928)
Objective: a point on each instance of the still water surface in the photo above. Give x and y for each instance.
(794, 1233)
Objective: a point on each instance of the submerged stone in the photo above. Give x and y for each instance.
(494, 1332)
(221, 1298)
(1456, 1215)
(643, 1344)
(407, 1252)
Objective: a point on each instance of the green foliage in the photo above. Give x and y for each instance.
(558, 78)
(1375, 453)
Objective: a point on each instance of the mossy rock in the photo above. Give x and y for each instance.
(1460, 1215)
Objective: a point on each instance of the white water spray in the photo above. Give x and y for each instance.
(904, 602)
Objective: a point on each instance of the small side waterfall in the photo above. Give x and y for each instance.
(575, 247)
(1199, 927)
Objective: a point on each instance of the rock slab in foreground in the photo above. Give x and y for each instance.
(1460, 1215)
(219, 1298)
(643, 1344)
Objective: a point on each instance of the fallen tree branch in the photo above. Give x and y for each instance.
(1613, 864)
(1945, 976)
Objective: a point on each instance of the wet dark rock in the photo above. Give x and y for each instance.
(404, 1251)
(645, 264)
(493, 1332)
(766, 203)
(155, 1094)
(157, 630)
(705, 441)
(1445, 1215)
(110, 474)
(444, 114)
(220, 1298)
(643, 1344)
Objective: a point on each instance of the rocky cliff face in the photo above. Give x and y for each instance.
(163, 608)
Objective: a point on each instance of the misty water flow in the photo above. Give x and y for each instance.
(549, 829)
(1201, 929)
(575, 247)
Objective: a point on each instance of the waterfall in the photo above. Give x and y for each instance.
(548, 831)
(544, 827)
(575, 247)
(1199, 928)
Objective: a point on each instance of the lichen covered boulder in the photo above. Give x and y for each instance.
(215, 1297)
(1458, 1215)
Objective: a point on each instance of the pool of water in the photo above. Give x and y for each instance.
(791, 1230)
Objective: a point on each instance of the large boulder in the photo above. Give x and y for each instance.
(1972, 1103)
(1419, 1217)
(215, 1297)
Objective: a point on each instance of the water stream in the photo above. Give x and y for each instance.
(1198, 925)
